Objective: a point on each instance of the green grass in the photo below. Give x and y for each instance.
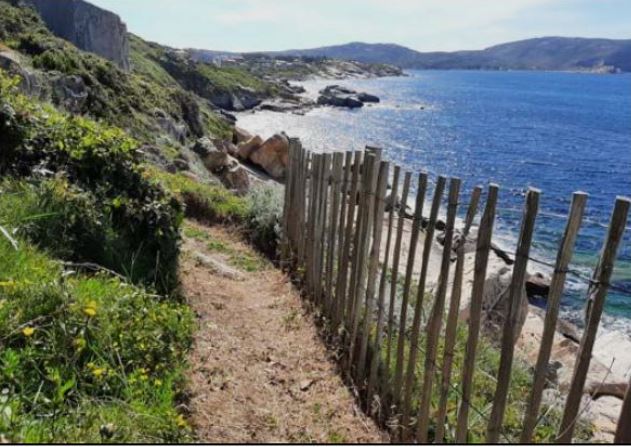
(206, 203)
(231, 78)
(86, 357)
(484, 383)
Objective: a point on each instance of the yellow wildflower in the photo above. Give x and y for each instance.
(98, 372)
(90, 309)
(181, 422)
(28, 331)
(157, 382)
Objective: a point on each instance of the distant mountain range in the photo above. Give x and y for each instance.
(546, 53)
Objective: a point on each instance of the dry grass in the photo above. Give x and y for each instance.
(259, 371)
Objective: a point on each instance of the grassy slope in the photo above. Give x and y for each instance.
(89, 357)
(83, 358)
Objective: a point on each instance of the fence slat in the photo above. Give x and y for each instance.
(623, 432)
(597, 297)
(357, 235)
(418, 308)
(364, 241)
(436, 319)
(383, 282)
(313, 202)
(336, 179)
(394, 277)
(308, 178)
(452, 317)
(564, 257)
(345, 192)
(301, 202)
(416, 224)
(287, 197)
(509, 333)
(325, 173)
(352, 222)
(373, 264)
(485, 234)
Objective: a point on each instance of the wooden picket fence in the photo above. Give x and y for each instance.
(333, 243)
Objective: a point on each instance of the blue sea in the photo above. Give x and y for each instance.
(559, 132)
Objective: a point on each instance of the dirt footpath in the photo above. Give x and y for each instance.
(259, 371)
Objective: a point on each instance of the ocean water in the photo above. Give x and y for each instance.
(559, 132)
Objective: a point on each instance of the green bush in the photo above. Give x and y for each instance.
(103, 179)
(263, 220)
(86, 359)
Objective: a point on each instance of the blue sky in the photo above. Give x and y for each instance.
(426, 25)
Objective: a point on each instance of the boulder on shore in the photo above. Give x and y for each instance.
(240, 136)
(496, 303)
(366, 97)
(245, 149)
(273, 156)
(538, 285)
(337, 96)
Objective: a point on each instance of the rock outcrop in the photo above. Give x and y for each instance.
(273, 156)
(88, 27)
(496, 302)
(245, 149)
(30, 83)
(337, 96)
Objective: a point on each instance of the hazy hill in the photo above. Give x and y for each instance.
(547, 53)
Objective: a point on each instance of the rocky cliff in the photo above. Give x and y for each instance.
(88, 27)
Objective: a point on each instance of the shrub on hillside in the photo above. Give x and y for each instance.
(100, 167)
(263, 220)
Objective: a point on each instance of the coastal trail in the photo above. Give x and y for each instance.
(258, 370)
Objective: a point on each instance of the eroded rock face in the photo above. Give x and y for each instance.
(31, 83)
(273, 156)
(88, 27)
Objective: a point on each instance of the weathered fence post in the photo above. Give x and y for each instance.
(597, 296)
(339, 277)
(338, 160)
(313, 206)
(285, 245)
(452, 317)
(418, 308)
(509, 333)
(373, 263)
(436, 319)
(308, 178)
(325, 173)
(554, 300)
(485, 234)
(623, 432)
(352, 221)
(301, 202)
(362, 253)
(416, 224)
(376, 359)
(395, 265)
